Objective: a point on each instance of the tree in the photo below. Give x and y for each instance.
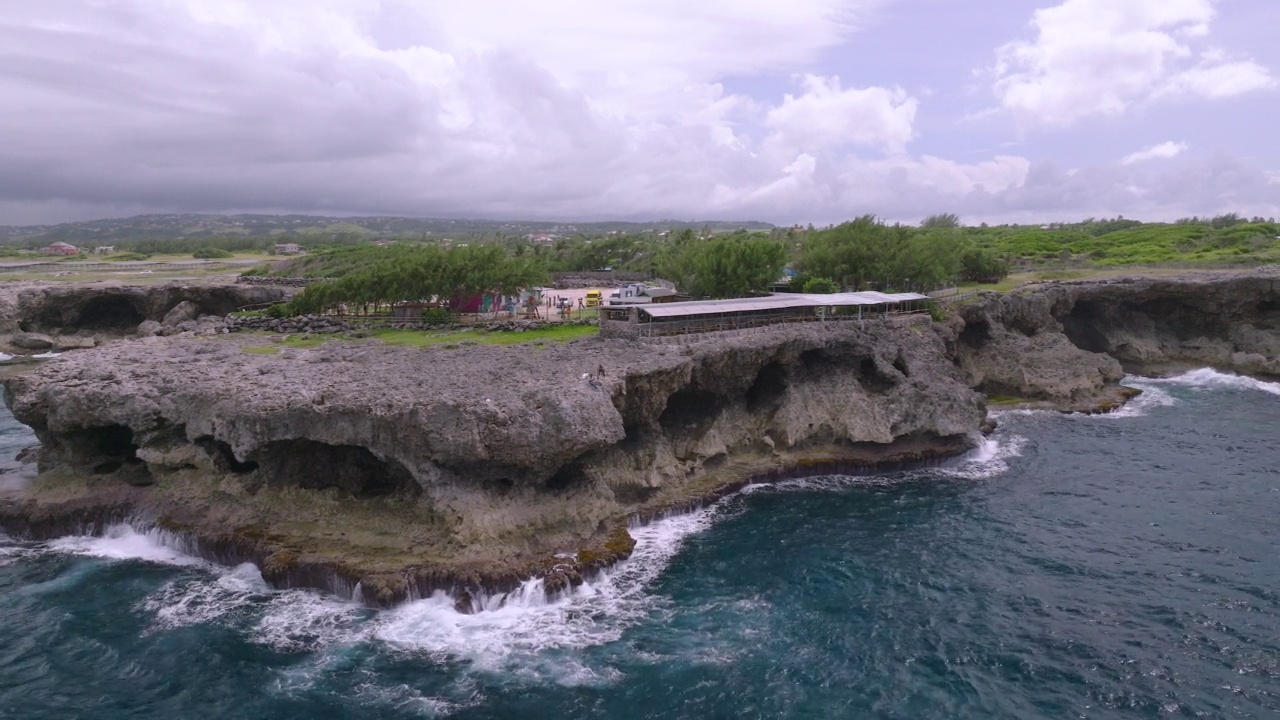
(722, 267)
(388, 276)
(820, 285)
(865, 254)
(981, 266)
(944, 220)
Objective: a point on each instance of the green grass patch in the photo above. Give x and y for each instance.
(428, 338)
(448, 339)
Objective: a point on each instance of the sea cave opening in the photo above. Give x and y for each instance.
(1082, 326)
(116, 313)
(768, 388)
(317, 466)
(688, 409)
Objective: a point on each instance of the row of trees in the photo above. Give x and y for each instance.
(724, 266)
(862, 254)
(867, 254)
(418, 273)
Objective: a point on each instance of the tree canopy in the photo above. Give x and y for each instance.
(421, 273)
(866, 254)
(725, 266)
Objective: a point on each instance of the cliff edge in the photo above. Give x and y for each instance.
(407, 470)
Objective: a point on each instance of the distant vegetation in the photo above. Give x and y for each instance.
(1226, 239)
(703, 259)
(211, 253)
(369, 278)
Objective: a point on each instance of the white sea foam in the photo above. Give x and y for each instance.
(46, 355)
(1210, 378)
(406, 699)
(10, 554)
(988, 459)
(1151, 397)
(122, 542)
(308, 620)
(5, 356)
(512, 635)
(194, 600)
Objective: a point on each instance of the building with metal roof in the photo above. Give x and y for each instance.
(680, 318)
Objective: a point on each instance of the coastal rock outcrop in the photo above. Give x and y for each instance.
(408, 469)
(1066, 342)
(389, 472)
(103, 310)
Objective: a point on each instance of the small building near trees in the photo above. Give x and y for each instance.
(60, 248)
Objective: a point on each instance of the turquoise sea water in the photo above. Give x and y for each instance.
(1121, 566)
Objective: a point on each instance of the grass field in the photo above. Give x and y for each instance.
(435, 338)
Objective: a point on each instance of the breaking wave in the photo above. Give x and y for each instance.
(1212, 379)
(123, 542)
(513, 634)
(990, 458)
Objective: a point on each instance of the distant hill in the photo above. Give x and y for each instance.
(161, 227)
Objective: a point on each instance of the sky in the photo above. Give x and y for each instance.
(804, 111)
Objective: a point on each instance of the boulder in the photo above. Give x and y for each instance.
(74, 342)
(184, 311)
(31, 341)
(148, 328)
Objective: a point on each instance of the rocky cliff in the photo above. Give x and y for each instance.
(69, 316)
(409, 469)
(1067, 342)
(398, 471)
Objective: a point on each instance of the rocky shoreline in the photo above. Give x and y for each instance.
(388, 473)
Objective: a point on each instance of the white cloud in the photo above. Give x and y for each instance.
(1102, 57)
(826, 116)
(569, 109)
(1164, 150)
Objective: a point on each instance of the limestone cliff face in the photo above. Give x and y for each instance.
(476, 459)
(1064, 342)
(404, 470)
(1230, 322)
(60, 312)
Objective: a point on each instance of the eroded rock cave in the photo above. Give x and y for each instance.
(111, 313)
(317, 466)
(1083, 326)
(109, 449)
(769, 388)
(689, 409)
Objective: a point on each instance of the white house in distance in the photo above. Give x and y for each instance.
(289, 249)
(104, 249)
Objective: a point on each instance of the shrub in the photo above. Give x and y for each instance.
(208, 253)
(820, 285)
(436, 316)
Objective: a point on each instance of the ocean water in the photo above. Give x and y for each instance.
(1120, 566)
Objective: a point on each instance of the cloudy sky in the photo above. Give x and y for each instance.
(796, 111)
